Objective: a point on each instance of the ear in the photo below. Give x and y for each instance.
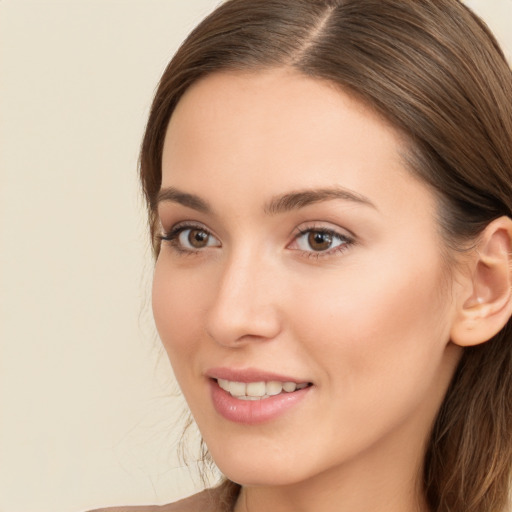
(485, 303)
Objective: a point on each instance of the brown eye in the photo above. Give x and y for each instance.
(192, 239)
(319, 240)
(198, 238)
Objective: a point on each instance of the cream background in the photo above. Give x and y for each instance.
(88, 416)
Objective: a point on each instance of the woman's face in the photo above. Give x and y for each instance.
(298, 248)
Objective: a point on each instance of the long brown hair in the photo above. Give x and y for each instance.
(436, 73)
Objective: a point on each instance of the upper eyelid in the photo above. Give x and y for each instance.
(343, 234)
(326, 226)
(348, 239)
(186, 224)
(302, 231)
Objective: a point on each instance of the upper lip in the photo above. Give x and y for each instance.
(250, 375)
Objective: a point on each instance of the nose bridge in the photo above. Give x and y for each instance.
(243, 307)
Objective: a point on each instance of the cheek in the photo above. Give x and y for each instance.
(177, 307)
(377, 331)
(378, 342)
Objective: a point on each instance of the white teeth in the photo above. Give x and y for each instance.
(224, 384)
(258, 390)
(289, 387)
(237, 388)
(274, 388)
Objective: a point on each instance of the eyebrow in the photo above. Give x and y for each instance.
(279, 204)
(303, 198)
(174, 195)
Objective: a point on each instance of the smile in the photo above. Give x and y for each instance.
(260, 399)
(259, 390)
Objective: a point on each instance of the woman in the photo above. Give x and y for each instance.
(329, 186)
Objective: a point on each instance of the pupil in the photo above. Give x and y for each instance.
(319, 241)
(198, 238)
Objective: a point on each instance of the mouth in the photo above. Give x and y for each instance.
(260, 390)
(252, 396)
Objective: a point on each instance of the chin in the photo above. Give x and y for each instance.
(248, 476)
(264, 466)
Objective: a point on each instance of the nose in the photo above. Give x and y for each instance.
(245, 305)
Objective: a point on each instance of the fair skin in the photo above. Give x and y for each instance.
(348, 292)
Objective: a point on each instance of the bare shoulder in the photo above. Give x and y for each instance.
(205, 501)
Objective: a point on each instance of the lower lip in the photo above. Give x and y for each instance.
(253, 412)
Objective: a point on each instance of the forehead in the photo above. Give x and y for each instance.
(276, 105)
(268, 132)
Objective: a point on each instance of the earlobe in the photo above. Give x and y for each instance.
(486, 304)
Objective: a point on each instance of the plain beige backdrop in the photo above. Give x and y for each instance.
(87, 412)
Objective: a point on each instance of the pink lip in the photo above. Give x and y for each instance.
(252, 412)
(249, 375)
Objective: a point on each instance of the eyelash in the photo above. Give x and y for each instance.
(172, 237)
(346, 242)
